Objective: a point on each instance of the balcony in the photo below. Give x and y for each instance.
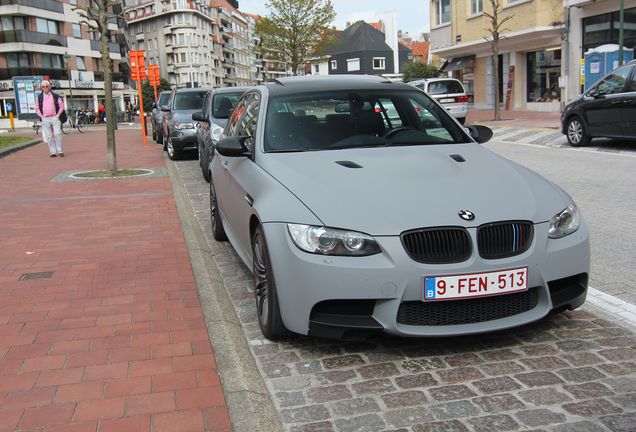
(97, 46)
(48, 5)
(230, 76)
(13, 36)
(228, 46)
(54, 74)
(228, 61)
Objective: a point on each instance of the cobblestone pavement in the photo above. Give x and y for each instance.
(569, 372)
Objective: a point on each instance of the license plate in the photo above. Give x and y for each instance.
(475, 284)
(447, 100)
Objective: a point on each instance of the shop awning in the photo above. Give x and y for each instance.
(456, 63)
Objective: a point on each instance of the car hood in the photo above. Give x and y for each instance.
(384, 191)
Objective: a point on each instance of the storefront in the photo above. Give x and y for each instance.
(544, 71)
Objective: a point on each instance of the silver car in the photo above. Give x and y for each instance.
(449, 92)
(355, 220)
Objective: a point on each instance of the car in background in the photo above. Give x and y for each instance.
(217, 107)
(179, 130)
(362, 206)
(156, 116)
(449, 92)
(607, 109)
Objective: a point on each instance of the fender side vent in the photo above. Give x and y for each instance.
(348, 164)
(458, 158)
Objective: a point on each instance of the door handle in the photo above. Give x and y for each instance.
(224, 164)
(616, 102)
(627, 101)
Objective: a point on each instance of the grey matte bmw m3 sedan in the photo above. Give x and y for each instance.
(362, 206)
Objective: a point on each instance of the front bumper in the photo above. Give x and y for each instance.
(184, 139)
(327, 296)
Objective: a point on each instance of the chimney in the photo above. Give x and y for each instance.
(391, 37)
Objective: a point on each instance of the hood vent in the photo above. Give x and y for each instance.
(348, 164)
(458, 158)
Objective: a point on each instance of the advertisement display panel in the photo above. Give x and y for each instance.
(27, 89)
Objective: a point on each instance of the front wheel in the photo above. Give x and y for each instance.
(172, 153)
(217, 225)
(82, 125)
(66, 127)
(267, 306)
(203, 162)
(577, 134)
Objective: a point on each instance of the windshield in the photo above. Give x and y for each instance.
(224, 104)
(189, 100)
(342, 119)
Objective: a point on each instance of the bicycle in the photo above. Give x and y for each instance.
(77, 121)
(36, 127)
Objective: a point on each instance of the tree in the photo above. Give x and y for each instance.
(148, 93)
(495, 31)
(96, 18)
(295, 30)
(416, 70)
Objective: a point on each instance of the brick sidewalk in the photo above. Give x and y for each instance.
(521, 118)
(100, 322)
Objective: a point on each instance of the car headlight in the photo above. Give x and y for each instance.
(181, 126)
(565, 222)
(217, 133)
(331, 241)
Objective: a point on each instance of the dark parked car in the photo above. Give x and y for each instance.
(362, 206)
(217, 107)
(607, 109)
(178, 127)
(156, 116)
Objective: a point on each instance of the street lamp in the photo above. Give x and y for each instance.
(67, 62)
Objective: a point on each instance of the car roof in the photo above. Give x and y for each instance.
(188, 89)
(308, 83)
(219, 90)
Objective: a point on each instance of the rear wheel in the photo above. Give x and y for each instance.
(154, 132)
(462, 120)
(577, 134)
(267, 307)
(217, 225)
(66, 127)
(82, 124)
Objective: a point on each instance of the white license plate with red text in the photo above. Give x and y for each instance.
(447, 100)
(475, 284)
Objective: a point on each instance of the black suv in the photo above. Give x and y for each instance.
(156, 116)
(216, 109)
(606, 109)
(179, 130)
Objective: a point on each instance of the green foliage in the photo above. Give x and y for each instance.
(148, 93)
(295, 30)
(417, 70)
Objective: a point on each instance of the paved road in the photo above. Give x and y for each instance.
(569, 372)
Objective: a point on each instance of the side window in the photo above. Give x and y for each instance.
(631, 87)
(614, 83)
(233, 123)
(247, 124)
(206, 102)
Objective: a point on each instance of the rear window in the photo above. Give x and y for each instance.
(189, 100)
(224, 104)
(445, 87)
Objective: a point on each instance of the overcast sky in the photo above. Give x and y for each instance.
(412, 16)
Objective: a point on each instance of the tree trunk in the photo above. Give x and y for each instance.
(108, 90)
(495, 63)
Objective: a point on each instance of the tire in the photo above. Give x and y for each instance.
(165, 143)
(160, 137)
(462, 120)
(267, 306)
(154, 132)
(82, 125)
(172, 153)
(577, 133)
(66, 127)
(203, 162)
(218, 232)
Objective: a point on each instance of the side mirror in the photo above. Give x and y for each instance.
(480, 133)
(165, 108)
(154, 105)
(233, 146)
(199, 116)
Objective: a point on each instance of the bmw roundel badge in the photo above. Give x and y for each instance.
(467, 215)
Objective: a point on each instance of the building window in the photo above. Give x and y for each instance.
(12, 23)
(18, 60)
(442, 12)
(46, 26)
(476, 7)
(77, 31)
(73, 3)
(378, 63)
(353, 65)
(317, 69)
(603, 29)
(334, 64)
(81, 65)
(51, 61)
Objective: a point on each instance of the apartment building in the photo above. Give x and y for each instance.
(195, 43)
(47, 38)
(530, 50)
